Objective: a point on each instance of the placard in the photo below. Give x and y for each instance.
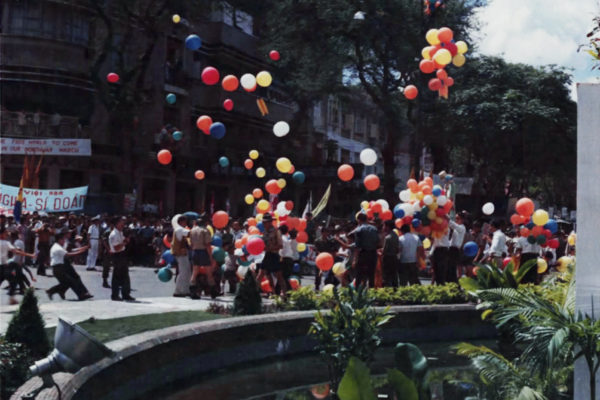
(50, 147)
(53, 200)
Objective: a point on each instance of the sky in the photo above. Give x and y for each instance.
(540, 32)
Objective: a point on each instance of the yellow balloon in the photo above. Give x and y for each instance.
(425, 52)
(431, 215)
(249, 199)
(328, 288)
(432, 37)
(253, 154)
(258, 217)
(338, 269)
(563, 263)
(283, 165)
(540, 217)
(420, 195)
(210, 229)
(442, 57)
(542, 265)
(364, 204)
(426, 243)
(458, 60)
(281, 183)
(176, 18)
(572, 239)
(461, 47)
(263, 205)
(260, 172)
(264, 79)
(433, 206)
(301, 247)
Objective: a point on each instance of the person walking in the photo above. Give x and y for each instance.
(43, 234)
(454, 250)
(411, 248)
(93, 240)
(179, 249)
(439, 258)
(528, 251)
(271, 264)
(65, 274)
(7, 272)
(391, 247)
(202, 259)
(120, 278)
(365, 252)
(497, 243)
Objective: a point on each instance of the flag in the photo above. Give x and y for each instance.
(323, 203)
(17, 209)
(308, 207)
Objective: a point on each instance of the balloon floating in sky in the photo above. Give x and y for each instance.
(193, 42)
(264, 79)
(253, 154)
(411, 92)
(228, 104)
(248, 82)
(177, 135)
(299, 177)
(488, 208)
(176, 18)
(274, 55)
(164, 157)
(210, 76)
(260, 172)
(281, 128)
(199, 175)
(345, 172)
(203, 123)
(368, 157)
(112, 77)
(230, 83)
(217, 130)
(171, 98)
(283, 165)
(224, 162)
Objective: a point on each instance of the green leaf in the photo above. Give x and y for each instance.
(356, 383)
(469, 284)
(410, 360)
(523, 269)
(404, 387)
(485, 314)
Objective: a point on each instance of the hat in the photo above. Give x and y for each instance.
(96, 218)
(267, 217)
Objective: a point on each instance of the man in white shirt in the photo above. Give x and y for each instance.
(120, 278)
(410, 248)
(93, 240)
(528, 251)
(287, 254)
(7, 273)
(454, 251)
(63, 272)
(179, 249)
(498, 243)
(439, 258)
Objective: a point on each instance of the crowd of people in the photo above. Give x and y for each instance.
(366, 251)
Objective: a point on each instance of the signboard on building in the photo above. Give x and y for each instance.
(53, 200)
(50, 147)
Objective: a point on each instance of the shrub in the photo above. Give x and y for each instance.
(14, 367)
(247, 298)
(27, 327)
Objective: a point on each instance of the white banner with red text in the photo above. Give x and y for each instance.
(52, 200)
(50, 147)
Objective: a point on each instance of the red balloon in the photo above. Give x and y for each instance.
(248, 164)
(434, 84)
(302, 237)
(451, 47)
(301, 224)
(289, 205)
(426, 66)
(203, 123)
(274, 55)
(210, 76)
(166, 242)
(449, 81)
(324, 261)
(445, 34)
(516, 219)
(505, 262)
(411, 92)
(547, 233)
(398, 223)
(386, 215)
(441, 74)
(553, 243)
(230, 83)
(376, 208)
(257, 193)
(199, 174)
(255, 245)
(220, 219)
(345, 172)
(524, 232)
(407, 220)
(525, 207)
(537, 231)
(266, 286)
(112, 77)
(228, 104)
(371, 182)
(164, 157)
(272, 187)
(294, 283)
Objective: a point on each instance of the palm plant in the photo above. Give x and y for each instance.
(491, 276)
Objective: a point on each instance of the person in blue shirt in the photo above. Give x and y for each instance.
(365, 253)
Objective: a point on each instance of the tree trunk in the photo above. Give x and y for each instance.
(389, 163)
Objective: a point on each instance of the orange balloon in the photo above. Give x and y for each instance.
(220, 219)
(230, 83)
(412, 184)
(292, 222)
(411, 92)
(203, 123)
(272, 187)
(253, 230)
(525, 207)
(524, 232)
(426, 66)
(398, 223)
(301, 224)
(324, 261)
(244, 239)
(257, 193)
(386, 215)
(248, 164)
(445, 34)
(427, 189)
(238, 244)
(441, 74)
(266, 286)
(345, 172)
(516, 219)
(448, 206)
(428, 181)
(164, 157)
(371, 182)
(302, 237)
(252, 221)
(199, 174)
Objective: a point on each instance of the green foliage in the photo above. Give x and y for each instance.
(490, 276)
(14, 367)
(27, 327)
(351, 329)
(356, 382)
(247, 298)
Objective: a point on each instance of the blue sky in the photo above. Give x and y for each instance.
(539, 32)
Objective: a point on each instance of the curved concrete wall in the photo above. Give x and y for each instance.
(150, 360)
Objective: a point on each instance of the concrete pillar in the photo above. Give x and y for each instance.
(588, 218)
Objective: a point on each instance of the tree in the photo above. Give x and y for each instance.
(27, 327)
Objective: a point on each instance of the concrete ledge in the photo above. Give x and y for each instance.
(149, 360)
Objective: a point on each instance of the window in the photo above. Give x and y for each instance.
(81, 29)
(345, 156)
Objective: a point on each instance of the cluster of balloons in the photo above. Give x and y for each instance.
(536, 225)
(379, 208)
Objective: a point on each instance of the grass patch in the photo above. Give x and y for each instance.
(106, 330)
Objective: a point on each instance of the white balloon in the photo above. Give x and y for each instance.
(368, 157)
(416, 206)
(281, 128)
(428, 199)
(248, 81)
(405, 196)
(241, 272)
(488, 208)
(442, 200)
(408, 209)
(384, 204)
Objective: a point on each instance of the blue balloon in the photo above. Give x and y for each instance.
(171, 98)
(224, 162)
(436, 191)
(218, 254)
(422, 237)
(217, 130)
(177, 135)
(398, 211)
(168, 257)
(416, 222)
(551, 225)
(191, 215)
(217, 241)
(165, 274)
(470, 249)
(299, 177)
(529, 225)
(296, 268)
(193, 42)
(261, 227)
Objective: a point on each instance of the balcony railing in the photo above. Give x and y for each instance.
(34, 125)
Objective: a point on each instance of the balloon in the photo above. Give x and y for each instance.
(338, 269)
(458, 60)
(164, 157)
(425, 53)
(253, 154)
(470, 249)
(441, 74)
(255, 245)
(281, 128)
(166, 242)
(442, 57)
(272, 187)
(461, 47)
(299, 177)
(564, 262)
(572, 239)
(541, 239)
(450, 81)
(165, 274)
(488, 208)
(542, 265)
(193, 42)
(540, 217)
(265, 286)
(217, 241)
(263, 205)
(274, 55)
(442, 200)
(445, 34)
(260, 172)
(345, 172)
(210, 76)
(404, 195)
(525, 207)
(399, 211)
(426, 66)
(176, 18)
(203, 123)
(324, 261)
(217, 130)
(281, 183)
(434, 84)
(248, 82)
(167, 255)
(426, 243)
(283, 164)
(177, 135)
(224, 162)
(249, 199)
(428, 199)
(294, 283)
(171, 98)
(411, 92)
(199, 174)
(248, 164)
(432, 37)
(368, 157)
(230, 83)
(218, 254)
(257, 193)
(296, 267)
(386, 215)
(301, 247)
(228, 104)
(220, 219)
(112, 77)
(553, 243)
(302, 237)
(264, 79)
(371, 182)
(552, 226)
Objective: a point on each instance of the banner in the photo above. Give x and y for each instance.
(51, 147)
(54, 200)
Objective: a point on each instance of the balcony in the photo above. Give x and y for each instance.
(30, 125)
